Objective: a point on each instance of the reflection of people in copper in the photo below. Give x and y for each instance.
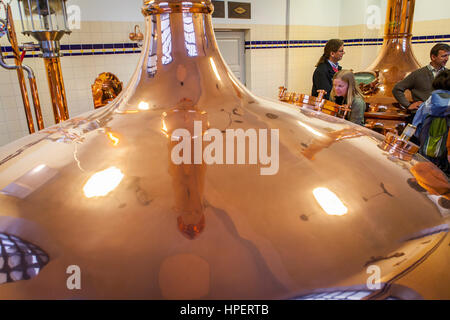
(419, 82)
(432, 121)
(105, 89)
(331, 137)
(345, 91)
(327, 66)
(187, 178)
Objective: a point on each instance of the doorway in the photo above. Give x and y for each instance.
(232, 47)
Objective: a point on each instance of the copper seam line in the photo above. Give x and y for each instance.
(18, 62)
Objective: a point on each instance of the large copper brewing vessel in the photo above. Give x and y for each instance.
(103, 194)
(395, 61)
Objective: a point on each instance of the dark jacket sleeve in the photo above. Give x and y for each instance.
(406, 84)
(321, 81)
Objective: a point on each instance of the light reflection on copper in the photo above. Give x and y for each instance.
(310, 129)
(213, 66)
(143, 106)
(329, 202)
(103, 182)
(39, 168)
(164, 126)
(115, 140)
(317, 145)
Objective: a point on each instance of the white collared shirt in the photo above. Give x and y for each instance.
(433, 70)
(335, 65)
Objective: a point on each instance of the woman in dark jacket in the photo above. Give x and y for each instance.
(327, 66)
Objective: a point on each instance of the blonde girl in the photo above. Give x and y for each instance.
(345, 90)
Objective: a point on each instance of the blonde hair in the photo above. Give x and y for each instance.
(352, 91)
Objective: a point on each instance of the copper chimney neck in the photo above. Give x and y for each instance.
(179, 56)
(399, 18)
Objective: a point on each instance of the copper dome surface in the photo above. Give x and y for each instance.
(157, 230)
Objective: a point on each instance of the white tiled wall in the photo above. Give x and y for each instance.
(79, 74)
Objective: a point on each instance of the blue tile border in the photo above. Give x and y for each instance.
(88, 49)
(85, 49)
(292, 44)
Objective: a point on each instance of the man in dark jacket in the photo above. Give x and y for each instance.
(419, 82)
(327, 66)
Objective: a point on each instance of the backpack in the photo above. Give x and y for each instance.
(433, 137)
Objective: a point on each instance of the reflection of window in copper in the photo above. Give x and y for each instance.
(431, 178)
(187, 179)
(166, 39)
(329, 202)
(103, 182)
(189, 35)
(152, 52)
(19, 259)
(327, 139)
(105, 89)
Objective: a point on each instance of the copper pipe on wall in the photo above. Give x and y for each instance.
(48, 33)
(57, 89)
(19, 68)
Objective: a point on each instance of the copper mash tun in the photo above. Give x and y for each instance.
(394, 62)
(102, 194)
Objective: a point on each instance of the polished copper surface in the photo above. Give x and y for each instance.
(102, 192)
(105, 89)
(398, 147)
(395, 61)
